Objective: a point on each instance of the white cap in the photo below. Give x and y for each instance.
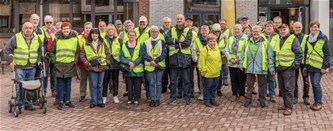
(143, 18)
(216, 27)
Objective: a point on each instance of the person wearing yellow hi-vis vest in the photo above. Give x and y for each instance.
(23, 52)
(224, 29)
(142, 32)
(96, 56)
(288, 57)
(179, 58)
(257, 61)
(154, 53)
(64, 55)
(123, 36)
(102, 28)
(34, 19)
(237, 76)
(164, 31)
(222, 44)
(317, 60)
(112, 42)
(302, 38)
(131, 55)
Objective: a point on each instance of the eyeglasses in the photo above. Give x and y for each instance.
(48, 22)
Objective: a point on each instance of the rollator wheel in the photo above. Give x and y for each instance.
(10, 106)
(44, 108)
(16, 111)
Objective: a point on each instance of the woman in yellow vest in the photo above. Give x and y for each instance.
(210, 63)
(64, 55)
(317, 59)
(131, 55)
(112, 42)
(237, 76)
(154, 52)
(96, 56)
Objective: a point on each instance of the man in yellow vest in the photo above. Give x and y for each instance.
(166, 30)
(102, 28)
(227, 33)
(288, 58)
(23, 52)
(180, 58)
(257, 61)
(302, 39)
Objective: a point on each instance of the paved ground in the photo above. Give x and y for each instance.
(228, 116)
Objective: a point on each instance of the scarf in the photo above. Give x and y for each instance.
(313, 38)
(149, 47)
(131, 44)
(95, 45)
(235, 43)
(203, 40)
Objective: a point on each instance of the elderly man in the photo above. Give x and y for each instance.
(244, 21)
(287, 59)
(23, 52)
(257, 61)
(277, 23)
(165, 30)
(119, 26)
(180, 58)
(302, 39)
(102, 28)
(34, 19)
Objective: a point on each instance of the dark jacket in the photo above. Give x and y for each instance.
(326, 62)
(64, 70)
(296, 48)
(126, 61)
(179, 59)
(98, 68)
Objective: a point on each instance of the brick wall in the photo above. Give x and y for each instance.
(144, 8)
(248, 8)
(165, 8)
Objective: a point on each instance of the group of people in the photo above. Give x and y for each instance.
(166, 57)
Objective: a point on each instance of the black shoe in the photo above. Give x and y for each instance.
(207, 104)
(171, 101)
(192, 96)
(157, 103)
(179, 96)
(214, 103)
(92, 106)
(20, 110)
(219, 93)
(60, 105)
(82, 98)
(101, 105)
(262, 104)
(247, 103)
(70, 105)
(187, 102)
(125, 94)
(29, 108)
(152, 103)
(254, 92)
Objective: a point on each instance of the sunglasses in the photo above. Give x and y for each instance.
(48, 22)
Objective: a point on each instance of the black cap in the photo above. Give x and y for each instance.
(188, 19)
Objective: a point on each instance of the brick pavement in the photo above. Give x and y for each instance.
(227, 116)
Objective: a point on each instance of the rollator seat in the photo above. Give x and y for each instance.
(31, 85)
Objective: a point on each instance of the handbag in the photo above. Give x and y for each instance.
(95, 61)
(124, 67)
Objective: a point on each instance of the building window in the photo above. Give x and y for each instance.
(99, 2)
(203, 12)
(5, 2)
(4, 21)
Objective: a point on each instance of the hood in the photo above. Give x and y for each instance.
(72, 34)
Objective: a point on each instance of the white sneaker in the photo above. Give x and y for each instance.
(104, 100)
(136, 102)
(115, 99)
(201, 97)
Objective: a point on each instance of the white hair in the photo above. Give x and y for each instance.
(48, 18)
(153, 27)
(256, 27)
(166, 18)
(297, 22)
(238, 26)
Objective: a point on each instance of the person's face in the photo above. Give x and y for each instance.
(284, 32)
(34, 20)
(167, 24)
(49, 23)
(256, 33)
(237, 31)
(58, 27)
(154, 33)
(188, 23)
(222, 24)
(277, 23)
(217, 33)
(27, 30)
(244, 22)
(212, 43)
(204, 32)
(298, 28)
(65, 30)
(111, 32)
(269, 28)
(143, 24)
(180, 20)
(128, 27)
(94, 36)
(247, 32)
(119, 26)
(87, 29)
(314, 29)
(102, 27)
(131, 36)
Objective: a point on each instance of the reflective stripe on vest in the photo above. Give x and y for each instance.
(183, 36)
(221, 46)
(143, 37)
(315, 54)
(303, 43)
(23, 53)
(285, 56)
(136, 69)
(241, 43)
(90, 53)
(66, 50)
(154, 54)
(115, 49)
(247, 53)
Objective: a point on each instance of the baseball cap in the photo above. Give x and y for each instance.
(143, 18)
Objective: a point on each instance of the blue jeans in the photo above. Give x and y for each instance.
(52, 80)
(209, 90)
(96, 87)
(315, 82)
(223, 76)
(270, 84)
(64, 88)
(23, 74)
(155, 84)
(183, 73)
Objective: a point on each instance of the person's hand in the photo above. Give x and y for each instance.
(236, 61)
(153, 63)
(39, 63)
(323, 71)
(272, 72)
(11, 55)
(11, 66)
(203, 74)
(232, 61)
(242, 69)
(131, 64)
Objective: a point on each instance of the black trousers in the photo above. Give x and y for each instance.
(134, 88)
(114, 74)
(305, 83)
(238, 79)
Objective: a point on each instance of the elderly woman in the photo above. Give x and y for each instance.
(112, 42)
(131, 55)
(210, 63)
(317, 59)
(64, 55)
(154, 52)
(96, 56)
(237, 76)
